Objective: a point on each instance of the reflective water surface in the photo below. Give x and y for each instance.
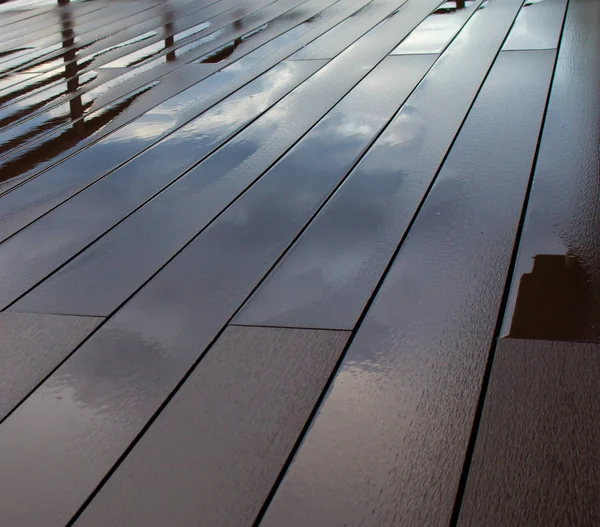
(555, 290)
(132, 253)
(438, 29)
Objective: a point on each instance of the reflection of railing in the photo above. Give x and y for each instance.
(27, 152)
(551, 301)
(69, 57)
(169, 32)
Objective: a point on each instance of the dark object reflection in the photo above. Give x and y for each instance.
(82, 126)
(552, 300)
(452, 6)
(68, 43)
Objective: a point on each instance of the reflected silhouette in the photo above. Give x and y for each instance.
(552, 300)
(224, 52)
(56, 144)
(169, 33)
(81, 128)
(452, 6)
(69, 58)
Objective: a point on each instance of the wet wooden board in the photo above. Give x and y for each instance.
(110, 84)
(23, 33)
(107, 44)
(112, 41)
(555, 290)
(537, 455)
(56, 43)
(202, 26)
(121, 266)
(31, 347)
(20, 208)
(388, 444)
(220, 444)
(113, 38)
(169, 189)
(236, 154)
(439, 28)
(153, 170)
(538, 25)
(241, 69)
(342, 255)
(147, 347)
(338, 38)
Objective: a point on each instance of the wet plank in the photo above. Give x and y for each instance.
(120, 265)
(227, 78)
(99, 207)
(555, 290)
(214, 453)
(93, 44)
(103, 88)
(31, 347)
(388, 444)
(47, 36)
(146, 348)
(338, 38)
(342, 255)
(22, 34)
(19, 16)
(247, 155)
(19, 208)
(538, 25)
(63, 36)
(536, 459)
(153, 61)
(439, 28)
(104, 51)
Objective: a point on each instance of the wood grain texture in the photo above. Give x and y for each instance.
(327, 277)
(555, 291)
(537, 26)
(31, 346)
(388, 445)
(213, 455)
(537, 455)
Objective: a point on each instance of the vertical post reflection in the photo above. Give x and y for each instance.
(69, 56)
(169, 30)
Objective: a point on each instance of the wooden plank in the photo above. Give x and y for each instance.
(21, 34)
(20, 16)
(56, 44)
(105, 88)
(108, 36)
(388, 444)
(46, 36)
(333, 42)
(31, 346)
(538, 25)
(214, 453)
(104, 50)
(245, 157)
(216, 79)
(100, 206)
(342, 255)
(129, 255)
(555, 290)
(127, 369)
(439, 28)
(19, 207)
(101, 45)
(537, 455)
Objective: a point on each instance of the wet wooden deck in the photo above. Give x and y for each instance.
(299, 263)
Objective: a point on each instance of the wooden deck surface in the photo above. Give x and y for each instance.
(299, 263)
